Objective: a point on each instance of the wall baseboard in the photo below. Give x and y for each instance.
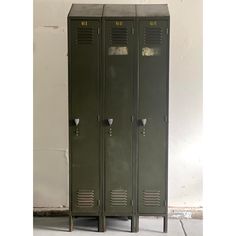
(173, 212)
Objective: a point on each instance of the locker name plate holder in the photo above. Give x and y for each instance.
(148, 52)
(117, 51)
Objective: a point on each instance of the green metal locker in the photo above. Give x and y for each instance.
(153, 35)
(84, 24)
(118, 26)
(118, 60)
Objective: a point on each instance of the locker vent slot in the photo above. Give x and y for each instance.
(118, 198)
(152, 36)
(85, 198)
(119, 36)
(152, 198)
(85, 35)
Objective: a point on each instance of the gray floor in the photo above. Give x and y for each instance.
(44, 226)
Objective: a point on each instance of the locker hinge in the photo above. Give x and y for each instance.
(132, 30)
(167, 31)
(165, 203)
(132, 202)
(98, 31)
(98, 203)
(98, 117)
(132, 119)
(166, 118)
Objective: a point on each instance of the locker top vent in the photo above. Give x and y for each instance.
(85, 35)
(119, 36)
(152, 36)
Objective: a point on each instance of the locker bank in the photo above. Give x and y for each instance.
(118, 63)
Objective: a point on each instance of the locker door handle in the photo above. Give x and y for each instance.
(144, 122)
(76, 120)
(110, 121)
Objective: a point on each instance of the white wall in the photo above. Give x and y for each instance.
(50, 102)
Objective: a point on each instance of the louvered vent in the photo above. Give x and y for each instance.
(119, 198)
(85, 35)
(151, 198)
(85, 198)
(152, 36)
(119, 36)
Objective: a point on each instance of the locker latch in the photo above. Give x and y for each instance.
(165, 203)
(144, 122)
(77, 120)
(110, 122)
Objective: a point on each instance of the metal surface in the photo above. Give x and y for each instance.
(86, 10)
(153, 10)
(118, 111)
(118, 104)
(84, 62)
(119, 10)
(84, 103)
(153, 74)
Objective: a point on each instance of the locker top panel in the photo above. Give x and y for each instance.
(86, 10)
(153, 10)
(119, 10)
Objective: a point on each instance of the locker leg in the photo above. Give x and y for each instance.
(165, 223)
(101, 224)
(70, 223)
(134, 223)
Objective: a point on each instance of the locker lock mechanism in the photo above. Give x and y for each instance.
(110, 122)
(144, 122)
(76, 120)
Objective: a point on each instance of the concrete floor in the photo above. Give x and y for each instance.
(56, 226)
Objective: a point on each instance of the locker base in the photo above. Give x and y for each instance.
(134, 224)
(165, 220)
(70, 223)
(101, 224)
(165, 224)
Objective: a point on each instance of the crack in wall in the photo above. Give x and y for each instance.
(182, 226)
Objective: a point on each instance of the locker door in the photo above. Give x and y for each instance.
(84, 105)
(118, 102)
(153, 109)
